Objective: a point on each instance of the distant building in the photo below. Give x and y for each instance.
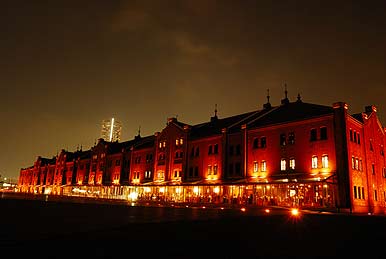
(292, 154)
(111, 130)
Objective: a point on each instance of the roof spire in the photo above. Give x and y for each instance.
(299, 98)
(214, 118)
(268, 104)
(268, 96)
(139, 133)
(285, 100)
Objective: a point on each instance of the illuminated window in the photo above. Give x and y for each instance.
(181, 141)
(292, 163)
(209, 169)
(164, 144)
(283, 165)
(325, 161)
(263, 166)
(177, 142)
(215, 169)
(356, 163)
(255, 166)
(353, 162)
(160, 145)
(314, 162)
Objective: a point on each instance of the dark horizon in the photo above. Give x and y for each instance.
(68, 65)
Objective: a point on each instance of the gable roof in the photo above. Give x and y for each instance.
(289, 112)
(275, 115)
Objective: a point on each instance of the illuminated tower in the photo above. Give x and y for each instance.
(111, 130)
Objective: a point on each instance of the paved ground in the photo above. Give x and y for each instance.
(65, 230)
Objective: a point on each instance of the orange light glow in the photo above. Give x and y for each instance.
(267, 211)
(243, 209)
(295, 212)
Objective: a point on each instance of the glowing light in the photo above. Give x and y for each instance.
(133, 196)
(203, 207)
(221, 208)
(195, 189)
(162, 189)
(216, 189)
(147, 189)
(267, 211)
(294, 212)
(111, 129)
(243, 209)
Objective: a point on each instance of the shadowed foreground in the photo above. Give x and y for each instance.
(67, 230)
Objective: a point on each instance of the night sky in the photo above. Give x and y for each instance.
(67, 65)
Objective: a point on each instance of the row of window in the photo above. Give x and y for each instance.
(263, 166)
(314, 162)
(259, 143)
(355, 137)
(179, 142)
(283, 139)
(147, 175)
(356, 163)
(214, 171)
(283, 164)
(322, 134)
(177, 173)
(359, 192)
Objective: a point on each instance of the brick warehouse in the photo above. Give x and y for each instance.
(293, 154)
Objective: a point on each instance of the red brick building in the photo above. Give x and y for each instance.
(293, 154)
